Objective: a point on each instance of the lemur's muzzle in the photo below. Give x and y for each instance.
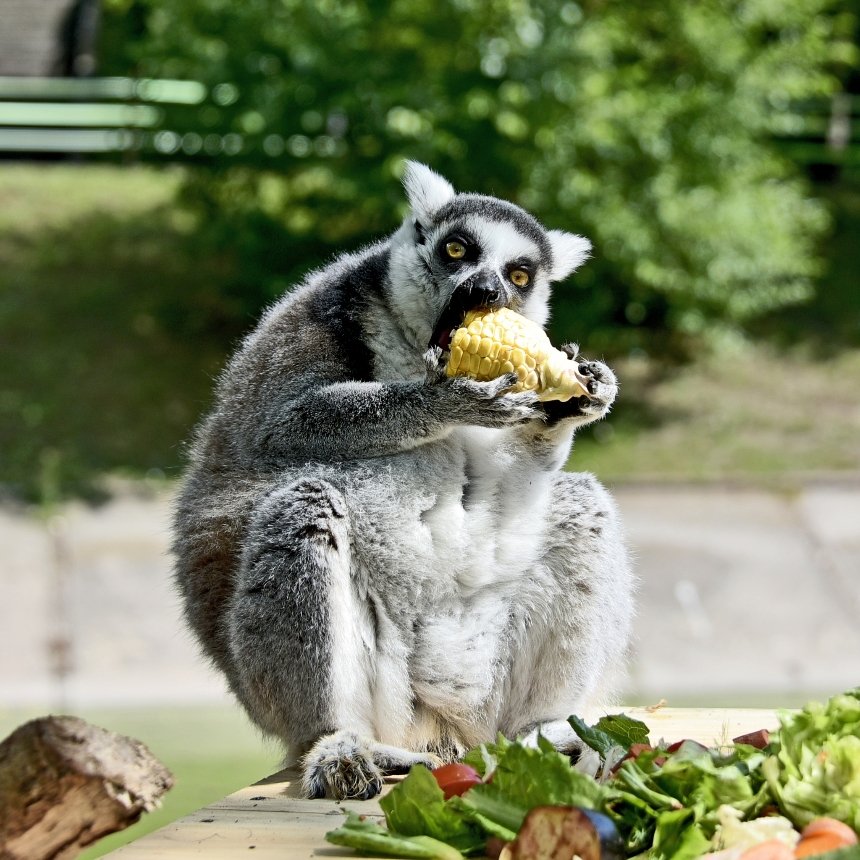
(483, 290)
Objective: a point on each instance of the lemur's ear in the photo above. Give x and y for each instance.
(426, 191)
(569, 252)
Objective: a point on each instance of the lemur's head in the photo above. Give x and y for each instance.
(465, 251)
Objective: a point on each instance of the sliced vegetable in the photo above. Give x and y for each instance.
(611, 843)
(770, 849)
(615, 730)
(556, 833)
(758, 739)
(734, 832)
(811, 846)
(455, 779)
(830, 825)
(369, 838)
(417, 806)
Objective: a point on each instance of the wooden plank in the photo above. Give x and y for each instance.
(709, 726)
(272, 821)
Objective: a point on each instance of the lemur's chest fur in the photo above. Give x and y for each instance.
(484, 516)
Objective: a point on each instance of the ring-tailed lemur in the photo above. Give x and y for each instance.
(389, 565)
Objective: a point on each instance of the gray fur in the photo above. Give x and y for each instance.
(389, 565)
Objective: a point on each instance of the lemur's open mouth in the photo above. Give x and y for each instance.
(451, 318)
(449, 321)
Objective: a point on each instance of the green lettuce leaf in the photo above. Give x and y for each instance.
(524, 778)
(816, 769)
(417, 807)
(678, 836)
(614, 730)
(485, 757)
(369, 838)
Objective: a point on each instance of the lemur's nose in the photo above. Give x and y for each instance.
(488, 291)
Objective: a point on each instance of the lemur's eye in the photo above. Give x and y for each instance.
(519, 277)
(455, 250)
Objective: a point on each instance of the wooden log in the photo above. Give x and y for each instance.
(65, 783)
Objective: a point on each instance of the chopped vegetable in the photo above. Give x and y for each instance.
(759, 739)
(556, 833)
(456, 779)
(770, 849)
(734, 832)
(830, 825)
(678, 802)
(370, 838)
(417, 806)
(812, 846)
(816, 769)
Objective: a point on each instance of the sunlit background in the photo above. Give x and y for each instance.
(169, 167)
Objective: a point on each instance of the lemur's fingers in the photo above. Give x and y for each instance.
(490, 390)
(433, 363)
(571, 350)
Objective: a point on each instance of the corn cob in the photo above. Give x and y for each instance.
(491, 343)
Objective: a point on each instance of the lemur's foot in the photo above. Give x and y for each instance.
(346, 767)
(340, 766)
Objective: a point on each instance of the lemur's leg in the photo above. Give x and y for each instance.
(574, 653)
(303, 642)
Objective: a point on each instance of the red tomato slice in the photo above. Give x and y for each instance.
(456, 778)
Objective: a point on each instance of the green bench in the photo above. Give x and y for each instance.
(89, 115)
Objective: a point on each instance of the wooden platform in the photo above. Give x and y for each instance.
(269, 821)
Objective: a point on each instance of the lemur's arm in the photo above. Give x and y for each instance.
(347, 420)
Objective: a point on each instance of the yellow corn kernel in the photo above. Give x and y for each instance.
(491, 343)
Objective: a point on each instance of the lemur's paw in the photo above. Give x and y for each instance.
(491, 403)
(341, 766)
(602, 387)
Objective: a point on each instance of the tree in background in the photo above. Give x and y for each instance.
(647, 127)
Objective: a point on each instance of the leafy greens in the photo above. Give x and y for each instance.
(666, 805)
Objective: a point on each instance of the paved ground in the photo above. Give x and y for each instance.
(747, 596)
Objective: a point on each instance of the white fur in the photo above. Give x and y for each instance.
(569, 252)
(426, 190)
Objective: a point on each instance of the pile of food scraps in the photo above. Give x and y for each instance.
(792, 794)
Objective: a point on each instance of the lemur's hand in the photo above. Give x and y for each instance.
(483, 404)
(602, 391)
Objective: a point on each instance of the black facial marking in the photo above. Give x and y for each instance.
(499, 210)
(473, 250)
(523, 266)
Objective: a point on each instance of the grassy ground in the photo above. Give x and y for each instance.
(108, 356)
(110, 347)
(750, 413)
(211, 752)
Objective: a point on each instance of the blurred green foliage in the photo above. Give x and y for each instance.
(647, 127)
(102, 366)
